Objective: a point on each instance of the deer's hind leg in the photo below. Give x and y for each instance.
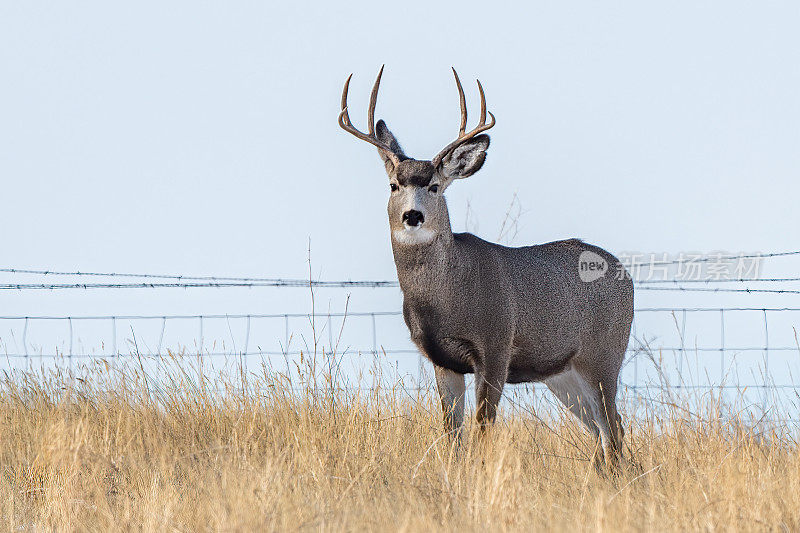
(610, 423)
(581, 399)
(593, 402)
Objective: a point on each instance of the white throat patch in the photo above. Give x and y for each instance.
(413, 235)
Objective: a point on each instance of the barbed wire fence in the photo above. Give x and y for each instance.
(664, 351)
(689, 263)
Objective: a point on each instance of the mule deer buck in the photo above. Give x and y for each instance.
(508, 315)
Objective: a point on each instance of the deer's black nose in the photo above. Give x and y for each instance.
(413, 217)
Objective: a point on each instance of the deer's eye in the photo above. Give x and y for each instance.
(434, 188)
(393, 186)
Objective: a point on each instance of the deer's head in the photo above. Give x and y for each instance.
(417, 208)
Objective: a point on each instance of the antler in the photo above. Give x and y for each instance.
(344, 119)
(481, 127)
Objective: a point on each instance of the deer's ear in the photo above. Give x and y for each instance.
(386, 137)
(465, 159)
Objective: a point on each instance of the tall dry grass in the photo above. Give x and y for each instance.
(105, 451)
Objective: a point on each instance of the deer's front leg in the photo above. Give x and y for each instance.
(488, 390)
(451, 391)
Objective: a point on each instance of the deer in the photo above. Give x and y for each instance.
(505, 314)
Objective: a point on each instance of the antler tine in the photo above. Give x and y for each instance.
(373, 99)
(344, 114)
(462, 136)
(345, 124)
(462, 100)
(483, 103)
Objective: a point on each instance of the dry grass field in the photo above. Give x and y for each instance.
(100, 453)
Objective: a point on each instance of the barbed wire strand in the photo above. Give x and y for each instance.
(709, 289)
(288, 282)
(180, 277)
(213, 285)
(706, 258)
(357, 352)
(325, 284)
(719, 280)
(353, 314)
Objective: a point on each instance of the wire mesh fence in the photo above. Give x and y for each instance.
(682, 349)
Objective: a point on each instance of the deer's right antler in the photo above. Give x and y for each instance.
(344, 120)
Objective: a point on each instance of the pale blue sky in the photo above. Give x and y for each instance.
(201, 138)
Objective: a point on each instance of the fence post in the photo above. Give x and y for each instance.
(683, 346)
(635, 359)
(246, 346)
(286, 334)
(161, 337)
(330, 334)
(25, 340)
(69, 319)
(158, 352)
(767, 376)
(420, 371)
(374, 335)
(721, 345)
(201, 335)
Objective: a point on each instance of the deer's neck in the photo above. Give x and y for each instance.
(421, 267)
